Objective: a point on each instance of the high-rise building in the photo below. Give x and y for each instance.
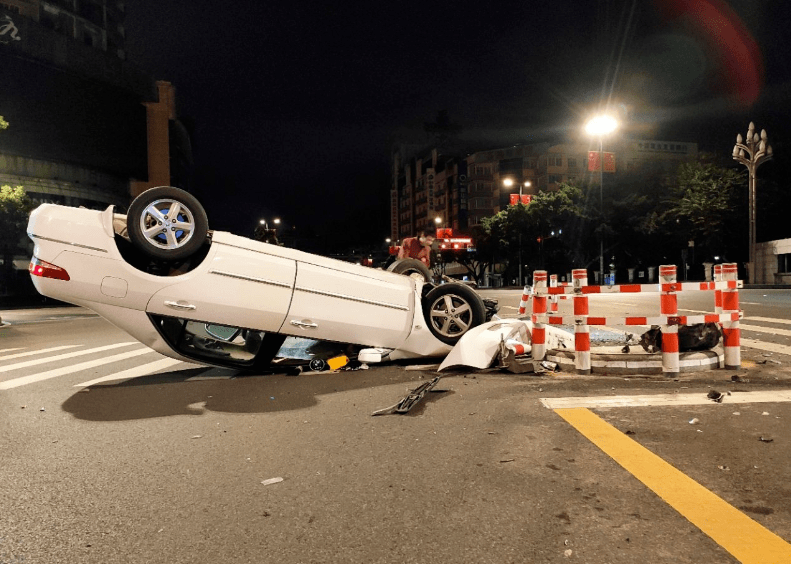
(86, 126)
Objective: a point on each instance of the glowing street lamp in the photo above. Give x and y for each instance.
(752, 152)
(508, 183)
(599, 126)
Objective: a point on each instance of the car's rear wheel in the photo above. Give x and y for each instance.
(167, 223)
(411, 267)
(451, 310)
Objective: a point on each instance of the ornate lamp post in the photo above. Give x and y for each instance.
(752, 152)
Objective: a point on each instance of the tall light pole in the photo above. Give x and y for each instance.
(509, 182)
(600, 126)
(752, 152)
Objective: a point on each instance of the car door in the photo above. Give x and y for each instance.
(348, 303)
(237, 286)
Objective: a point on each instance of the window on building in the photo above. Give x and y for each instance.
(784, 263)
(572, 162)
(555, 178)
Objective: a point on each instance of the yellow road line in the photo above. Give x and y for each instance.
(747, 540)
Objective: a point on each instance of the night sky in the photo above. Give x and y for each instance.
(295, 105)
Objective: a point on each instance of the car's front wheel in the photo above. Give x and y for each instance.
(451, 310)
(167, 223)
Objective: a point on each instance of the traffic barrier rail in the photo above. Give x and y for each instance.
(727, 313)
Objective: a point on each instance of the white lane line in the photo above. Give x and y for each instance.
(769, 320)
(142, 370)
(36, 362)
(764, 346)
(665, 399)
(770, 330)
(39, 351)
(10, 350)
(16, 382)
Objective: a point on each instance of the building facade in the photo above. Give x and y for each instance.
(456, 191)
(85, 126)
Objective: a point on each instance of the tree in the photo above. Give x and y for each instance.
(3, 123)
(15, 206)
(704, 207)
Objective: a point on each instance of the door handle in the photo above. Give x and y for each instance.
(304, 324)
(178, 305)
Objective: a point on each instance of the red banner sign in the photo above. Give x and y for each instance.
(526, 199)
(594, 161)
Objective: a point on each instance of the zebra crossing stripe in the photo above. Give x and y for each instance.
(16, 382)
(142, 370)
(32, 353)
(64, 356)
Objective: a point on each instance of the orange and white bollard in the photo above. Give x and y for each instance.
(717, 292)
(523, 302)
(539, 308)
(730, 329)
(669, 307)
(553, 300)
(582, 337)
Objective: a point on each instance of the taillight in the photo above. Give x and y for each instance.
(45, 269)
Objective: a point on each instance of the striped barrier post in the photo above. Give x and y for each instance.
(582, 337)
(525, 297)
(539, 308)
(730, 329)
(717, 292)
(669, 307)
(553, 300)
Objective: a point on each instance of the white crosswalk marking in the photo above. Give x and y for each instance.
(769, 320)
(36, 352)
(64, 356)
(16, 382)
(142, 370)
(10, 350)
(772, 330)
(593, 402)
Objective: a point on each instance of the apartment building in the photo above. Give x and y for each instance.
(458, 191)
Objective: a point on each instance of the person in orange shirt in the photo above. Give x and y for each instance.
(418, 247)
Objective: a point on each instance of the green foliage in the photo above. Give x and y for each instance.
(3, 123)
(15, 206)
(704, 204)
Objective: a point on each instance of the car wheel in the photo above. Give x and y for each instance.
(411, 267)
(167, 223)
(451, 310)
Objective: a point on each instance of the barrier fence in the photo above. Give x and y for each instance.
(726, 312)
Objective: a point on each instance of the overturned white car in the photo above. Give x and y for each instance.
(161, 275)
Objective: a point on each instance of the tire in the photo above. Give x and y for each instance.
(411, 267)
(451, 310)
(152, 209)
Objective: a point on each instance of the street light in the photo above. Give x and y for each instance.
(508, 183)
(600, 126)
(752, 152)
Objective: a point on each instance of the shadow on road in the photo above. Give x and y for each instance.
(173, 393)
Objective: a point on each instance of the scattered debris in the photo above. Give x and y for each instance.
(196, 437)
(723, 468)
(629, 432)
(568, 552)
(355, 365)
(765, 413)
(410, 400)
(271, 481)
(736, 378)
(507, 460)
(421, 367)
(717, 396)
(697, 337)
(765, 439)
(42, 409)
(694, 421)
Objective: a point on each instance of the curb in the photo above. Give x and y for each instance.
(610, 360)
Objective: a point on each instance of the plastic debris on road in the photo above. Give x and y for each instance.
(271, 481)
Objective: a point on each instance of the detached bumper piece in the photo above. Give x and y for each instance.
(411, 399)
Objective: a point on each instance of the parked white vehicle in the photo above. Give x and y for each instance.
(205, 296)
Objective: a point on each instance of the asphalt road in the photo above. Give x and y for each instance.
(174, 465)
